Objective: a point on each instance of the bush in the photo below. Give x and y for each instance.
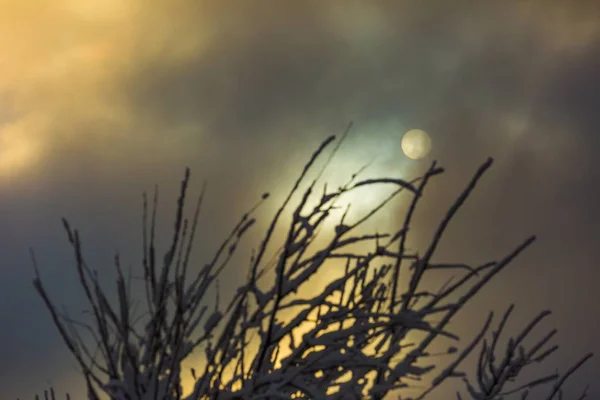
(269, 341)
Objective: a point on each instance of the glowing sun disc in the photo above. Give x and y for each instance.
(416, 144)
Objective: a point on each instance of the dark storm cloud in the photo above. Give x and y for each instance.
(306, 64)
(574, 90)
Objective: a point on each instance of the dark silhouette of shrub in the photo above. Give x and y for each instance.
(271, 342)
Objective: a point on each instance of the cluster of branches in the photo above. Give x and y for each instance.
(348, 341)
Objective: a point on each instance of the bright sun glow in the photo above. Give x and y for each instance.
(416, 144)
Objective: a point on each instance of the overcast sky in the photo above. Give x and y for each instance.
(101, 99)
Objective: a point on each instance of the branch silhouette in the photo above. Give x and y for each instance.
(269, 341)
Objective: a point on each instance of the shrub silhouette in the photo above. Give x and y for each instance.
(271, 342)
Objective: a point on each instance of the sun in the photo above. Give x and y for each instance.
(416, 144)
